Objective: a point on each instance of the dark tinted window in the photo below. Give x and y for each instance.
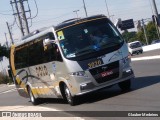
(88, 38)
(21, 58)
(135, 45)
(34, 53)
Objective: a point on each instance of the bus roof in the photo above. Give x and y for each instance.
(33, 35)
(43, 31)
(74, 21)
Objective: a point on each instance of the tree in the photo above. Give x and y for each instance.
(141, 37)
(4, 51)
(151, 32)
(129, 36)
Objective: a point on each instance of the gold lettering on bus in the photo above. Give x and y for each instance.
(41, 71)
(94, 64)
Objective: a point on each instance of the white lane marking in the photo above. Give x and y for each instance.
(11, 85)
(2, 85)
(34, 108)
(146, 58)
(12, 90)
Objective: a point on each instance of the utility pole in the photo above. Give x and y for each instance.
(157, 30)
(144, 29)
(156, 12)
(10, 33)
(24, 16)
(21, 14)
(6, 40)
(155, 20)
(76, 11)
(19, 18)
(85, 8)
(107, 9)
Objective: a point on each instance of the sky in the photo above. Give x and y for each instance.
(52, 12)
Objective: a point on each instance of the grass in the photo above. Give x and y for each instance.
(5, 79)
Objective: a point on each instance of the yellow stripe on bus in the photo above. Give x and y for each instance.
(79, 22)
(12, 60)
(41, 91)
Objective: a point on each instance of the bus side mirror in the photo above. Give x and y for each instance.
(47, 43)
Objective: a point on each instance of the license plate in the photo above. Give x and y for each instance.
(107, 73)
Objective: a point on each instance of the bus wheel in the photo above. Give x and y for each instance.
(70, 99)
(32, 98)
(125, 85)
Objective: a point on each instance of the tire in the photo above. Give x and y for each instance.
(137, 52)
(125, 85)
(70, 99)
(33, 100)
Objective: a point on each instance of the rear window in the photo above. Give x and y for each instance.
(135, 45)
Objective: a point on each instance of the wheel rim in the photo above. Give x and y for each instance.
(68, 95)
(31, 96)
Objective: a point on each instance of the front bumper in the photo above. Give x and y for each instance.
(90, 87)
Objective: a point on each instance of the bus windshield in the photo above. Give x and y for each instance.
(88, 37)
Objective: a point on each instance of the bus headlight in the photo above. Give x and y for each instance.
(79, 74)
(126, 61)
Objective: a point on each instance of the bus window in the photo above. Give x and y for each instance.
(21, 58)
(39, 55)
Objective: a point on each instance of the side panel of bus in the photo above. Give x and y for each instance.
(38, 68)
(20, 85)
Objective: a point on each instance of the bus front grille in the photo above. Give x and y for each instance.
(106, 72)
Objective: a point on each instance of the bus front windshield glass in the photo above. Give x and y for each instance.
(88, 37)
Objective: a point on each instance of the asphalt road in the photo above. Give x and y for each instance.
(148, 53)
(144, 96)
